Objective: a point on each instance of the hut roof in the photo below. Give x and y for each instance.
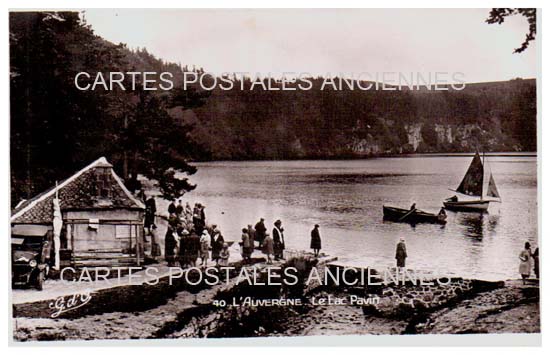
(78, 192)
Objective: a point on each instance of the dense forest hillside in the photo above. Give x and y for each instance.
(498, 116)
(57, 129)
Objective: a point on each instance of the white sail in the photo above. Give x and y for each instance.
(492, 188)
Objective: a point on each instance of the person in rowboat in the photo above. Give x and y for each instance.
(413, 206)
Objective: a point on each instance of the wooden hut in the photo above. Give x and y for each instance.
(102, 220)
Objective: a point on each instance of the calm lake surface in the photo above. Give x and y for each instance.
(346, 198)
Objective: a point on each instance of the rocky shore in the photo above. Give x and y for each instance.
(183, 311)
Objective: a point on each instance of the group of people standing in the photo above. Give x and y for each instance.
(188, 238)
(270, 244)
(180, 214)
(186, 247)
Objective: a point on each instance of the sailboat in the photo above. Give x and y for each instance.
(472, 185)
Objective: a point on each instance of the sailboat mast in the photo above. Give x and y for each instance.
(483, 174)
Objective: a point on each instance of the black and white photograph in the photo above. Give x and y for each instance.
(195, 174)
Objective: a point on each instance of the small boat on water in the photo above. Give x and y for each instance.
(472, 186)
(413, 216)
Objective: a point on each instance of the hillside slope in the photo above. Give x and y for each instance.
(499, 116)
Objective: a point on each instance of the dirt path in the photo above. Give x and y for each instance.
(171, 311)
(508, 307)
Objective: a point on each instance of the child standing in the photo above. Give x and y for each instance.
(224, 255)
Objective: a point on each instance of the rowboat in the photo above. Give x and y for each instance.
(472, 187)
(396, 214)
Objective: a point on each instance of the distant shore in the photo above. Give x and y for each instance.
(377, 156)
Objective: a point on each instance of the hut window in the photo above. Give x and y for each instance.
(103, 182)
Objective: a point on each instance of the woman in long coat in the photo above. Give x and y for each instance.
(150, 210)
(278, 240)
(536, 262)
(169, 246)
(193, 249)
(246, 243)
(267, 247)
(185, 245)
(401, 253)
(260, 232)
(525, 262)
(217, 245)
(315, 240)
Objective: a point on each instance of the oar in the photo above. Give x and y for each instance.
(406, 215)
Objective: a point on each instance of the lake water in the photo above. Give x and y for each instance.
(346, 198)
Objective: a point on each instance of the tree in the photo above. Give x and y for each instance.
(158, 146)
(497, 15)
(57, 129)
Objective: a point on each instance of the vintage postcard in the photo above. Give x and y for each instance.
(197, 174)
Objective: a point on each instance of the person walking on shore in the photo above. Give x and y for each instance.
(194, 248)
(155, 247)
(172, 207)
(224, 255)
(185, 245)
(202, 215)
(217, 245)
(199, 218)
(267, 247)
(169, 246)
(150, 210)
(525, 262)
(260, 232)
(536, 262)
(188, 212)
(179, 209)
(251, 236)
(401, 253)
(212, 232)
(196, 214)
(315, 241)
(278, 240)
(245, 243)
(205, 245)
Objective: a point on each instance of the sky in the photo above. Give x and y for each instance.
(320, 41)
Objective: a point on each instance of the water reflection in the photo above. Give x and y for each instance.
(472, 223)
(492, 223)
(477, 225)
